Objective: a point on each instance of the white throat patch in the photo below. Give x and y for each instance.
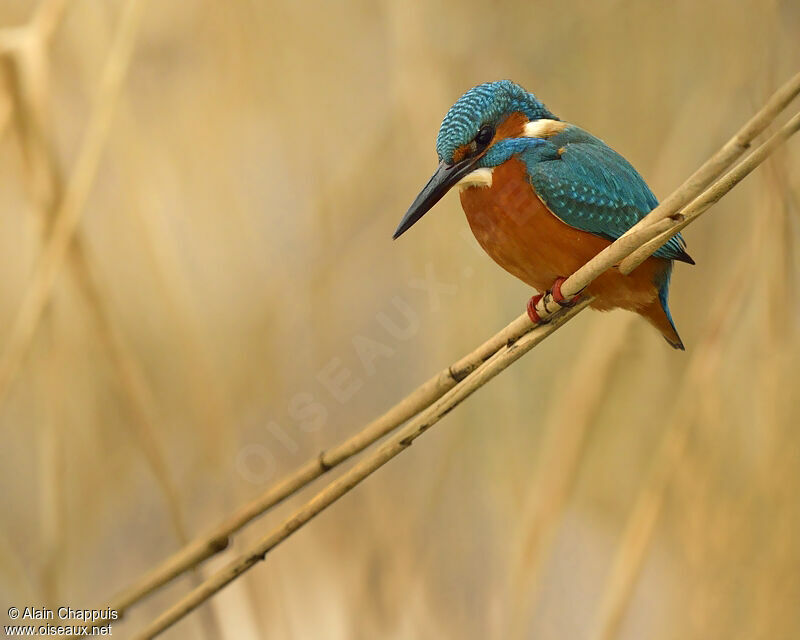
(478, 178)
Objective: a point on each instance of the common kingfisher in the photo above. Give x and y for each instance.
(543, 196)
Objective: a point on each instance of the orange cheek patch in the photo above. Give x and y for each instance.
(461, 152)
(512, 127)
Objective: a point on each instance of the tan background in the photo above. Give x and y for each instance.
(238, 234)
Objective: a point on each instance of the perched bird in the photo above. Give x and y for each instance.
(543, 196)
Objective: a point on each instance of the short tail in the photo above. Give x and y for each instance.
(657, 313)
(661, 319)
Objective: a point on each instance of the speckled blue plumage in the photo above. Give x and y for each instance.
(589, 186)
(593, 188)
(484, 104)
(580, 181)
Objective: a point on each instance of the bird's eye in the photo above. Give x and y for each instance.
(485, 135)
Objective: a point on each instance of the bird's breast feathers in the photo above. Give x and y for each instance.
(583, 182)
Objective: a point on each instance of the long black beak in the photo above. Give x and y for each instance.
(440, 183)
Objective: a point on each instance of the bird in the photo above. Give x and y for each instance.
(543, 196)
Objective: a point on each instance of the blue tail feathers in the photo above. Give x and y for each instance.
(663, 295)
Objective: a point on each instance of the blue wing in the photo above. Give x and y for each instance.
(593, 188)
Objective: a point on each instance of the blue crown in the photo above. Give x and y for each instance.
(485, 104)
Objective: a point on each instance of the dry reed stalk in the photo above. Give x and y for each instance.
(775, 483)
(25, 49)
(433, 389)
(716, 164)
(216, 541)
(744, 535)
(140, 399)
(26, 52)
(767, 369)
(398, 443)
(614, 254)
(336, 489)
(699, 206)
(582, 390)
(640, 527)
(47, 17)
(645, 237)
(75, 195)
(212, 412)
(53, 507)
(776, 346)
(774, 592)
(6, 107)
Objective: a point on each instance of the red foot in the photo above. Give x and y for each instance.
(558, 297)
(532, 313)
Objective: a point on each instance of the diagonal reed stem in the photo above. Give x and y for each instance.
(399, 442)
(725, 157)
(699, 206)
(512, 351)
(77, 192)
(582, 388)
(640, 527)
(218, 539)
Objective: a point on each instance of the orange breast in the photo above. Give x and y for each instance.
(524, 237)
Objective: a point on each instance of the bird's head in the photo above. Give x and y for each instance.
(483, 129)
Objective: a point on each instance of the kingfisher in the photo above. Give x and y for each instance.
(543, 196)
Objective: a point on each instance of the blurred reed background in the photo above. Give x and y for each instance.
(234, 251)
